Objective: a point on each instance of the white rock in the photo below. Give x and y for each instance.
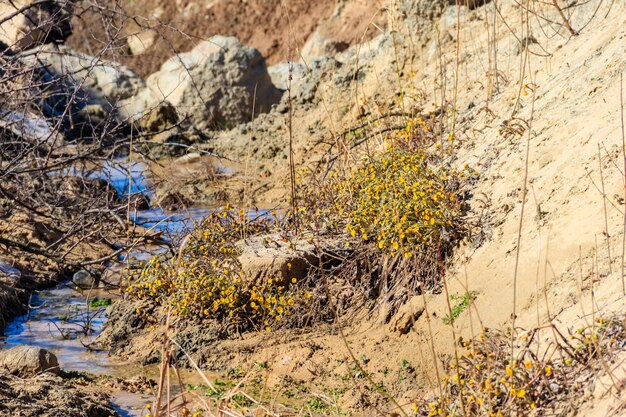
(215, 84)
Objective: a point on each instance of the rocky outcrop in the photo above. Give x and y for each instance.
(28, 23)
(412, 17)
(28, 361)
(216, 85)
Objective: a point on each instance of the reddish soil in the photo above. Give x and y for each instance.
(277, 28)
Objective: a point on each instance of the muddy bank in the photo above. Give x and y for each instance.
(48, 395)
(27, 263)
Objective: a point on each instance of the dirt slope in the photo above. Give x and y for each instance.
(576, 83)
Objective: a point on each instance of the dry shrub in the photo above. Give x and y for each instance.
(487, 380)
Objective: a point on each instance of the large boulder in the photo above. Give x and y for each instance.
(271, 256)
(28, 361)
(30, 23)
(106, 80)
(65, 105)
(216, 85)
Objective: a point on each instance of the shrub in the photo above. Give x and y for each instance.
(206, 280)
(406, 199)
(404, 204)
(401, 210)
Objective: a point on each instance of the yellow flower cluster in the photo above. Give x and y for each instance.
(403, 203)
(405, 200)
(206, 280)
(272, 302)
(486, 383)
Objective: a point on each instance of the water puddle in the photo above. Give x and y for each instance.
(61, 321)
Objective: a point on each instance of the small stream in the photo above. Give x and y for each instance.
(58, 322)
(62, 322)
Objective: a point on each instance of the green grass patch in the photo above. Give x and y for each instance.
(100, 302)
(462, 302)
